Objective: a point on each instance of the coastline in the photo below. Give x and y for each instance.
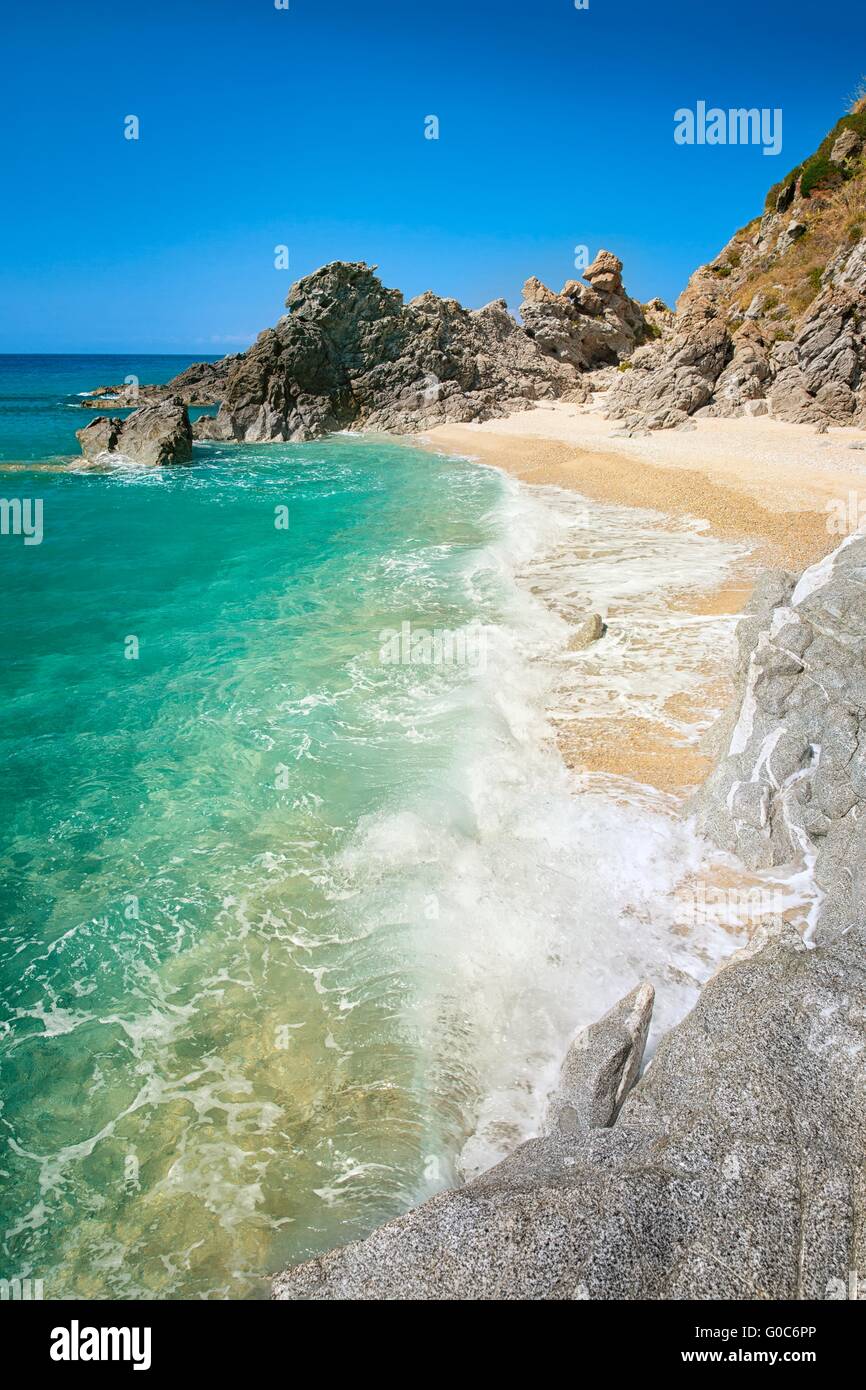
(708, 470)
(707, 473)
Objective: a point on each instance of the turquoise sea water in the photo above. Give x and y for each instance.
(292, 936)
(39, 413)
(186, 971)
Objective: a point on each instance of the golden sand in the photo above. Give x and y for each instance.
(751, 480)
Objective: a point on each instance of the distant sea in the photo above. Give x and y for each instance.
(299, 903)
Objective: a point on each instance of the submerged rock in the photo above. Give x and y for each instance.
(153, 434)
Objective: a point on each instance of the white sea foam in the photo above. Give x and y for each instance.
(547, 894)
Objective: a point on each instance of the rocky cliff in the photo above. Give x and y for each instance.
(351, 354)
(775, 324)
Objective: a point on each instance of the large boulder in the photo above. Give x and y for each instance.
(153, 434)
(734, 1169)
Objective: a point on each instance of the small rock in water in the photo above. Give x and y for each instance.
(587, 632)
(153, 434)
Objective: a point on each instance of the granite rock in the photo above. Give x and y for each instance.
(733, 1171)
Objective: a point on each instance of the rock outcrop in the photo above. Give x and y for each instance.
(200, 384)
(588, 326)
(790, 786)
(351, 354)
(153, 434)
(775, 324)
(734, 1169)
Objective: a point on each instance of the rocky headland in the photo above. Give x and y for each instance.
(351, 354)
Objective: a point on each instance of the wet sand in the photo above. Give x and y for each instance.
(752, 480)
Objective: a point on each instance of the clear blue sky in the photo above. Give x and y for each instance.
(305, 127)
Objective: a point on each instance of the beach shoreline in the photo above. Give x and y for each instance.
(783, 516)
(775, 483)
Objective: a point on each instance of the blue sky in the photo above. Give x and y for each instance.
(305, 127)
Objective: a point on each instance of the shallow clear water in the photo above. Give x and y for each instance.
(292, 935)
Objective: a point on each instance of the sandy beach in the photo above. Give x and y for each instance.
(774, 486)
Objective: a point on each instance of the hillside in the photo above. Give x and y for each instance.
(774, 324)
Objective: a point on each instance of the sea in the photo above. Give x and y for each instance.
(300, 904)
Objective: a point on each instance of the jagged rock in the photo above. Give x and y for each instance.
(743, 381)
(790, 787)
(201, 383)
(100, 436)
(602, 1065)
(605, 273)
(733, 1171)
(585, 326)
(678, 377)
(153, 434)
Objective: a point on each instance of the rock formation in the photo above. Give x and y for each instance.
(351, 353)
(775, 324)
(790, 787)
(153, 434)
(734, 1168)
(200, 384)
(588, 326)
